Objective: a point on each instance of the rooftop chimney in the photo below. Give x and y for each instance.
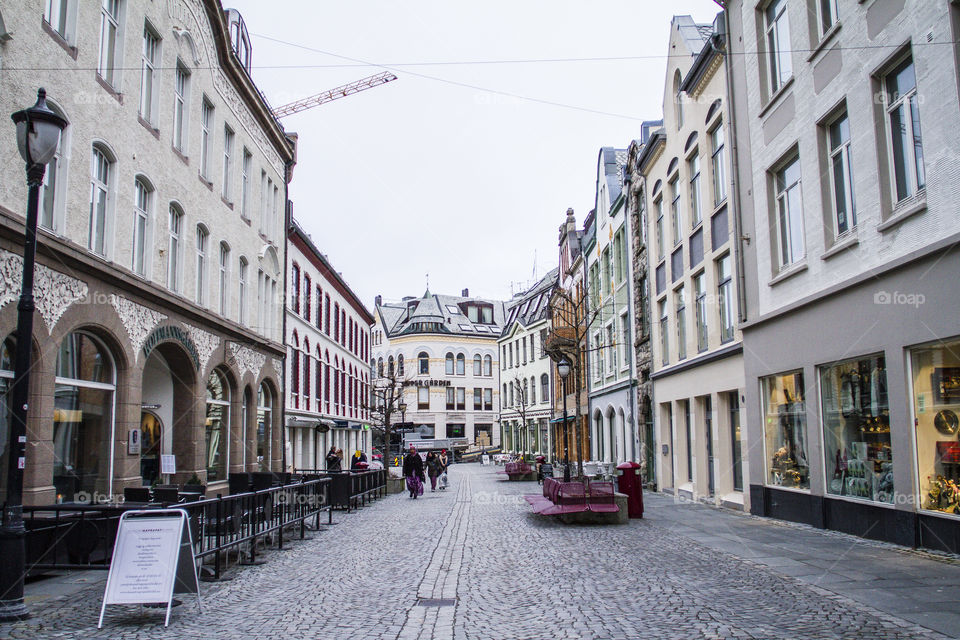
(465, 293)
(378, 301)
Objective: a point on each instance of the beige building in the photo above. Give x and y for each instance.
(697, 353)
(161, 246)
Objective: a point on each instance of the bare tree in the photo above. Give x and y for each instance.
(521, 406)
(571, 319)
(386, 398)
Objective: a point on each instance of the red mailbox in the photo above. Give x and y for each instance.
(628, 482)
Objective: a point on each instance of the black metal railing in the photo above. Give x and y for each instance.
(352, 489)
(81, 536)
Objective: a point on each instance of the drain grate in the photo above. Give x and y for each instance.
(437, 602)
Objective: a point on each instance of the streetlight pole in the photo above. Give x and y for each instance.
(563, 368)
(38, 134)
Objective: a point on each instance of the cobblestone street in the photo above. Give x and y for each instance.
(497, 571)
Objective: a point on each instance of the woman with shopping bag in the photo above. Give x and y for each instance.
(413, 472)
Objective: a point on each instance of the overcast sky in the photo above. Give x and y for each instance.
(462, 171)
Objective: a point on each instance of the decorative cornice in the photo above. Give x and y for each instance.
(205, 342)
(246, 359)
(137, 319)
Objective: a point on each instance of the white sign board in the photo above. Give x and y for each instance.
(485, 459)
(144, 560)
(168, 464)
(152, 559)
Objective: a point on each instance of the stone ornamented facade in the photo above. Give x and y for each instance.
(138, 320)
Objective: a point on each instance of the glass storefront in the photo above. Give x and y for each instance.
(785, 430)
(856, 429)
(82, 420)
(264, 420)
(217, 426)
(6, 384)
(935, 377)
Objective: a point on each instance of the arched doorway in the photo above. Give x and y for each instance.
(151, 442)
(7, 350)
(83, 419)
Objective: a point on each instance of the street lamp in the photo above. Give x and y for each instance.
(563, 368)
(38, 134)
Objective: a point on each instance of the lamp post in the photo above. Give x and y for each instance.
(38, 134)
(563, 368)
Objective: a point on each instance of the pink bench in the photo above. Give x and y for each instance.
(516, 470)
(573, 497)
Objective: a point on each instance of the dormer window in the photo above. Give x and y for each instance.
(239, 38)
(480, 313)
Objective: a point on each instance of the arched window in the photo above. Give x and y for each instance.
(224, 270)
(82, 417)
(142, 215)
(326, 381)
(461, 364)
(318, 386)
(202, 242)
(424, 363)
(242, 291)
(487, 366)
(264, 427)
(380, 367)
(306, 374)
(448, 362)
(175, 247)
(544, 387)
(678, 98)
(533, 390)
(390, 366)
(217, 426)
(101, 201)
(400, 365)
(336, 384)
(295, 371)
(525, 398)
(477, 365)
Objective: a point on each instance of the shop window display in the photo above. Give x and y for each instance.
(785, 431)
(856, 429)
(935, 372)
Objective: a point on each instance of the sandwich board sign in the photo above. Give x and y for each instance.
(152, 560)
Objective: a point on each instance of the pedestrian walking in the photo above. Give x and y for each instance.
(444, 460)
(413, 472)
(434, 469)
(333, 460)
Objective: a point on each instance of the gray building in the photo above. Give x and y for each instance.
(846, 141)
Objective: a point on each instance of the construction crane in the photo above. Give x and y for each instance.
(333, 94)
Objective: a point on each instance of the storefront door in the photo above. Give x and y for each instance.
(151, 431)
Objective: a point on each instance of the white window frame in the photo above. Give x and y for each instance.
(149, 85)
(700, 311)
(142, 213)
(718, 164)
(228, 138)
(664, 332)
(206, 121)
(725, 298)
(52, 196)
(908, 105)
(202, 240)
(680, 304)
(100, 224)
(224, 270)
(696, 204)
(110, 59)
(61, 17)
(777, 29)
(789, 222)
(827, 16)
(242, 290)
(175, 217)
(658, 203)
(839, 160)
(181, 107)
(676, 213)
(245, 168)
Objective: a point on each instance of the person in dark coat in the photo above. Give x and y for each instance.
(434, 469)
(413, 472)
(357, 458)
(333, 460)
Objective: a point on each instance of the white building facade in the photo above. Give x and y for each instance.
(611, 376)
(328, 351)
(161, 246)
(698, 380)
(526, 374)
(847, 136)
(442, 350)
